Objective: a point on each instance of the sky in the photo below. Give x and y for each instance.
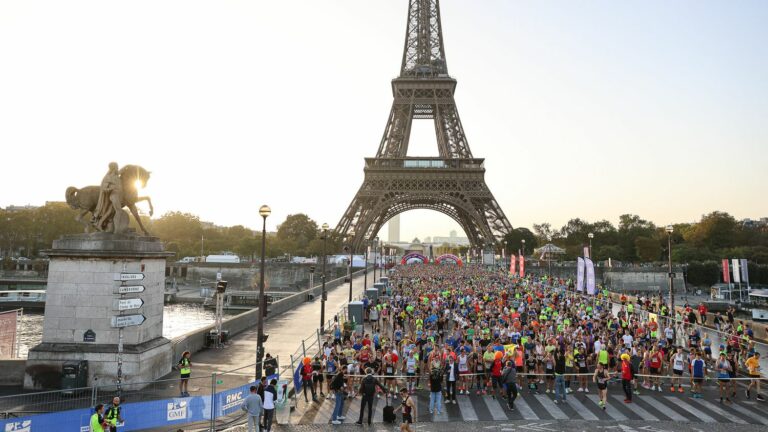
(586, 109)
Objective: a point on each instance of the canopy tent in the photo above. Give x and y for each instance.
(548, 250)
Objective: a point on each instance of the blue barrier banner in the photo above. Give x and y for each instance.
(137, 415)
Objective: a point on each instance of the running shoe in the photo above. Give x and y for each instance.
(760, 398)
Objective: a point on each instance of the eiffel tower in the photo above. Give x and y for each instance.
(453, 183)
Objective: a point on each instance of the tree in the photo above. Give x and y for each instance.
(630, 228)
(647, 249)
(297, 232)
(544, 233)
(716, 230)
(514, 240)
(183, 230)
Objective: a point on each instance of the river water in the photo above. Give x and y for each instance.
(177, 320)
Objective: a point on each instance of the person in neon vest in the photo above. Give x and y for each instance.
(185, 370)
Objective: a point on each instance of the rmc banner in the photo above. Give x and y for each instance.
(137, 415)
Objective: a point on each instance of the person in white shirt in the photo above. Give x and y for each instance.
(268, 405)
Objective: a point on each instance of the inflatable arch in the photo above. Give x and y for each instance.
(415, 255)
(450, 257)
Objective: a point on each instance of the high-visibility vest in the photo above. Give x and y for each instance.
(112, 414)
(185, 369)
(96, 423)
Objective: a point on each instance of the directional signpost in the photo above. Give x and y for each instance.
(127, 320)
(128, 304)
(129, 277)
(130, 289)
(121, 321)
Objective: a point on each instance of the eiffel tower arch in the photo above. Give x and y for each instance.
(452, 183)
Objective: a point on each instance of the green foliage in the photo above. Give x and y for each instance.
(514, 241)
(703, 273)
(647, 248)
(27, 232)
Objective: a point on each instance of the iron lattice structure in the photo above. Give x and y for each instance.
(453, 183)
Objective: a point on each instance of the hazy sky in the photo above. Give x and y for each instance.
(588, 108)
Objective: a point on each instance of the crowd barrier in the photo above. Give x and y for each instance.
(161, 413)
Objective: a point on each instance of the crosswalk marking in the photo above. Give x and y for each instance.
(580, 409)
(751, 414)
(525, 409)
(551, 407)
(721, 412)
(645, 415)
(497, 412)
(442, 416)
(485, 408)
(663, 408)
(696, 412)
(467, 410)
(610, 409)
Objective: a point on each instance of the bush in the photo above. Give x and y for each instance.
(703, 274)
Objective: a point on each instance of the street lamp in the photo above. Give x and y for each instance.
(264, 212)
(669, 231)
(323, 295)
(378, 249)
(351, 258)
(591, 236)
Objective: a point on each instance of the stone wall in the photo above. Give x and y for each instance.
(195, 340)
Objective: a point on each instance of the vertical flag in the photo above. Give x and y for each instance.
(580, 274)
(744, 271)
(590, 276)
(586, 252)
(726, 272)
(512, 263)
(736, 273)
(522, 265)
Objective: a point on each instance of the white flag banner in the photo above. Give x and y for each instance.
(744, 271)
(736, 272)
(580, 274)
(590, 276)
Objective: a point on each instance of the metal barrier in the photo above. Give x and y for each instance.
(215, 399)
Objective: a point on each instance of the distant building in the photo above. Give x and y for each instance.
(394, 229)
(751, 223)
(453, 239)
(13, 208)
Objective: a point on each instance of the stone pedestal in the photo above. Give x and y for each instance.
(81, 300)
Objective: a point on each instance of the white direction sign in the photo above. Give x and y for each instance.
(130, 289)
(127, 304)
(129, 276)
(127, 320)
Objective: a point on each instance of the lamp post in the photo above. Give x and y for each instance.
(351, 257)
(669, 231)
(264, 211)
(323, 295)
(379, 247)
(375, 242)
(591, 236)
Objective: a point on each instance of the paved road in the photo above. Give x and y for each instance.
(526, 426)
(649, 407)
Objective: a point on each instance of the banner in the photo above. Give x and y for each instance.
(512, 259)
(736, 273)
(586, 252)
(590, 276)
(8, 334)
(522, 266)
(580, 274)
(744, 271)
(726, 272)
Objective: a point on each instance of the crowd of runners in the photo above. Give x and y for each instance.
(460, 330)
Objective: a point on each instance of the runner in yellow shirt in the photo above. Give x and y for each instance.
(753, 368)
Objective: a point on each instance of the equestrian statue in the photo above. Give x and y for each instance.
(119, 188)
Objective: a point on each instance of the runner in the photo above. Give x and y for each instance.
(601, 378)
